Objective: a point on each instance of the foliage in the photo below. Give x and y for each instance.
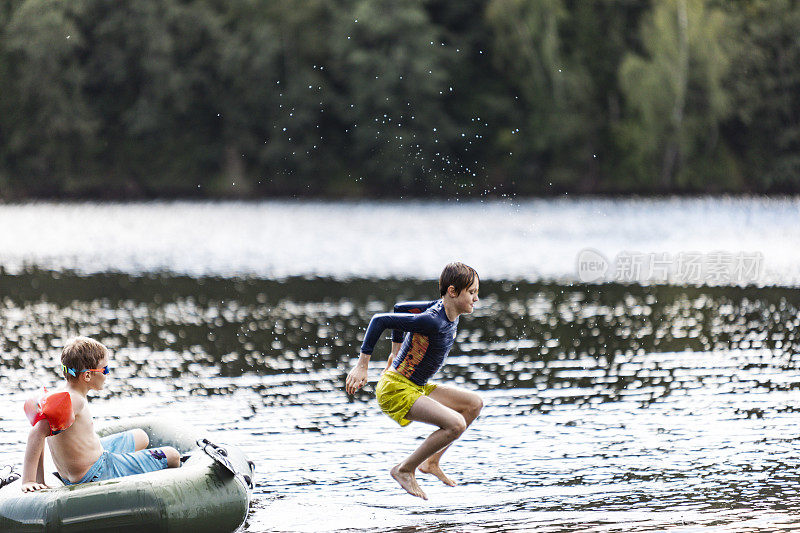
(415, 97)
(675, 98)
(765, 89)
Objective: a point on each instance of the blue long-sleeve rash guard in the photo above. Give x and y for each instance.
(426, 333)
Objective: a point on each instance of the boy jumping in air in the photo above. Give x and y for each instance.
(423, 334)
(64, 420)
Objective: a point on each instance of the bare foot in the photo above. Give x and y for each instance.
(433, 468)
(408, 481)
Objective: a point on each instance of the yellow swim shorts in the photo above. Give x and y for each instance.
(396, 394)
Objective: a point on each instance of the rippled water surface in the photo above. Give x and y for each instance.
(608, 407)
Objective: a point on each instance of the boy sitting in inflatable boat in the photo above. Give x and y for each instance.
(79, 454)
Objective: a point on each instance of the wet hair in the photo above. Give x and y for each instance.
(459, 275)
(81, 353)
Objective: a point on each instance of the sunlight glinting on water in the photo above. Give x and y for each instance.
(530, 240)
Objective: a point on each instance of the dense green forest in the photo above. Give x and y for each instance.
(366, 98)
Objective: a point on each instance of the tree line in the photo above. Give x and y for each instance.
(360, 98)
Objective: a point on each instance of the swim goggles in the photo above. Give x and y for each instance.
(73, 372)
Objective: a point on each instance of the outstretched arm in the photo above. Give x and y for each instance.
(358, 375)
(33, 465)
(415, 323)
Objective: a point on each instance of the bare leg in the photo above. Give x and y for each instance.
(467, 404)
(140, 439)
(173, 456)
(451, 426)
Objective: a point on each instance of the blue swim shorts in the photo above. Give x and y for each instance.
(119, 459)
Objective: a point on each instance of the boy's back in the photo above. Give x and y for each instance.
(74, 451)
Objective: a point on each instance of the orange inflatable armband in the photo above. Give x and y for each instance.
(55, 407)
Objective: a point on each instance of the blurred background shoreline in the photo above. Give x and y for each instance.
(435, 99)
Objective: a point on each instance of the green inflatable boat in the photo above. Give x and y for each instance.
(210, 492)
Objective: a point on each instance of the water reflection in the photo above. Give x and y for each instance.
(652, 407)
(584, 344)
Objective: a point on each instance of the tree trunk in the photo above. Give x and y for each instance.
(672, 152)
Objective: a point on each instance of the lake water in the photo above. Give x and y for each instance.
(609, 407)
(530, 240)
